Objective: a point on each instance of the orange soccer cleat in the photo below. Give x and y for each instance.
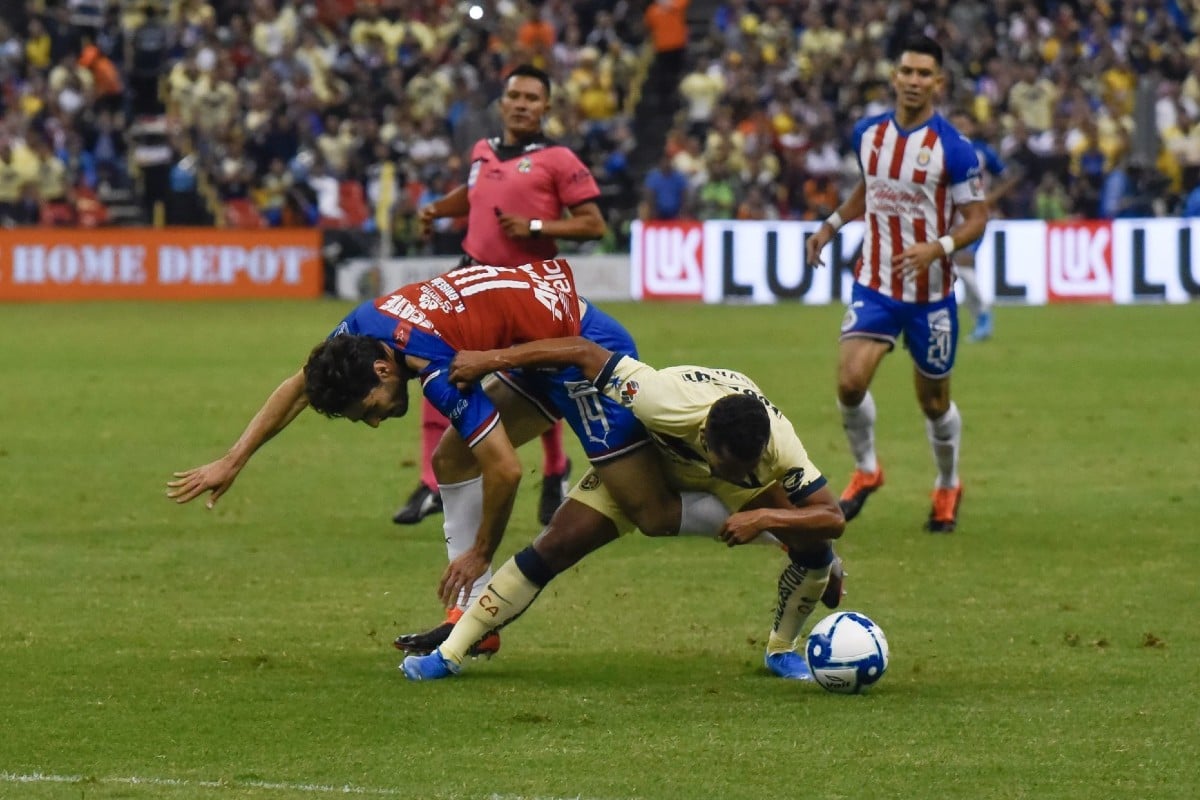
(862, 484)
(943, 517)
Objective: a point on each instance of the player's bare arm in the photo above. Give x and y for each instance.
(284, 404)
(818, 519)
(584, 224)
(916, 258)
(1012, 177)
(501, 472)
(852, 207)
(471, 365)
(454, 204)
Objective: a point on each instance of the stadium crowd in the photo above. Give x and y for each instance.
(350, 115)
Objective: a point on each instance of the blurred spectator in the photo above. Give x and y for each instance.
(1050, 201)
(666, 23)
(665, 192)
(717, 195)
(145, 59)
(702, 89)
(1191, 207)
(108, 87)
(774, 88)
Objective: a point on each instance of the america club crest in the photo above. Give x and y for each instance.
(628, 392)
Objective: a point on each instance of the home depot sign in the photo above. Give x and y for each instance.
(160, 264)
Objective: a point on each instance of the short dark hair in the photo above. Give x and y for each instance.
(340, 371)
(738, 424)
(923, 45)
(530, 71)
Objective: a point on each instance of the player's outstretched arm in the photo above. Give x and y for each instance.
(284, 404)
(818, 518)
(471, 365)
(501, 472)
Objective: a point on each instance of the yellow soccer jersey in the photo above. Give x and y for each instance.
(673, 405)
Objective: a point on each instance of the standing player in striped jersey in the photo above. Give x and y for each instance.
(964, 260)
(918, 173)
(518, 187)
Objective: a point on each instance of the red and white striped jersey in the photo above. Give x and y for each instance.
(915, 180)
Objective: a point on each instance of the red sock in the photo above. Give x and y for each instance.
(433, 425)
(554, 457)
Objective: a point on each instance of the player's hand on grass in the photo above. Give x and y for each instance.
(459, 575)
(469, 366)
(740, 528)
(216, 477)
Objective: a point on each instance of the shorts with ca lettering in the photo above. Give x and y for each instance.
(930, 330)
(605, 428)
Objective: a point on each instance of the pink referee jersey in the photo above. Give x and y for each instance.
(915, 180)
(537, 181)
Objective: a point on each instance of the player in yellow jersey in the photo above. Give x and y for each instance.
(714, 430)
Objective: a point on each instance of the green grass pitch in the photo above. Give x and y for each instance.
(1047, 649)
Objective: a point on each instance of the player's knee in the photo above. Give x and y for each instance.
(452, 464)
(935, 406)
(851, 390)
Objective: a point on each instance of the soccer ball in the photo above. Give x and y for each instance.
(847, 652)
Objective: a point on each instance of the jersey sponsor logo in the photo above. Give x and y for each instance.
(400, 306)
(343, 327)
(1079, 261)
(671, 257)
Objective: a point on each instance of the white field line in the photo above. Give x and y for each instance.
(314, 788)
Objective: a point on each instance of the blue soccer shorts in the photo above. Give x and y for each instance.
(930, 330)
(605, 428)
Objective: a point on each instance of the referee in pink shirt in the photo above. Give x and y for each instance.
(519, 185)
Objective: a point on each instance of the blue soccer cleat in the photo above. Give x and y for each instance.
(983, 327)
(790, 665)
(428, 668)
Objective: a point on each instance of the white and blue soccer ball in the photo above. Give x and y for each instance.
(847, 652)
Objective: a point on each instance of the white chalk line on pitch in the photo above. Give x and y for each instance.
(314, 788)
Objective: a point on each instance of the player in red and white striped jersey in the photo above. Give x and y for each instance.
(917, 173)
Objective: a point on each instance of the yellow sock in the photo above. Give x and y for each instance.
(777, 644)
(507, 594)
(800, 589)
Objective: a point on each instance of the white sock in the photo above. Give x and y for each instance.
(945, 437)
(462, 505)
(859, 424)
(972, 299)
(702, 514)
(800, 589)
